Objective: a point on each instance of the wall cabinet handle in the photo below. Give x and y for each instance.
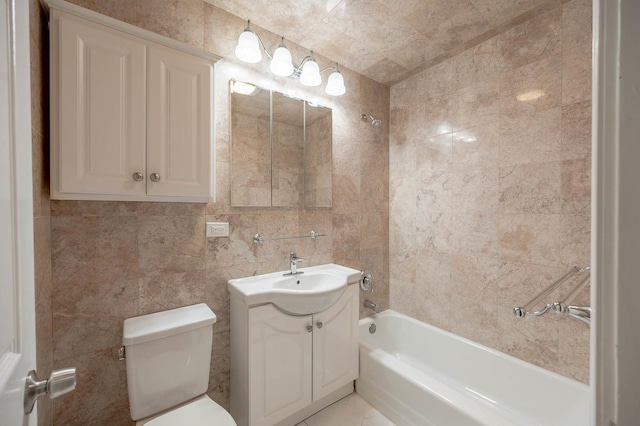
(155, 177)
(309, 328)
(137, 176)
(319, 324)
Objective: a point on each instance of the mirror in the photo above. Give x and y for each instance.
(280, 150)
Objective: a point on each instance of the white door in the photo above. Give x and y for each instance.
(17, 317)
(279, 364)
(335, 345)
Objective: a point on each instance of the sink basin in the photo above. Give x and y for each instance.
(315, 290)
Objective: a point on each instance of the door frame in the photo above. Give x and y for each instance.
(615, 345)
(21, 201)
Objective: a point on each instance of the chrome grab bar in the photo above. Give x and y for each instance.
(582, 313)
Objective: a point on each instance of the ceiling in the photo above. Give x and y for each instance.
(385, 40)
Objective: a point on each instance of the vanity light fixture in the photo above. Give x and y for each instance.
(250, 47)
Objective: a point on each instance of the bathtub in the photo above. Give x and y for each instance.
(417, 374)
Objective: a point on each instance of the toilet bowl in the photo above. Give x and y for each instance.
(168, 358)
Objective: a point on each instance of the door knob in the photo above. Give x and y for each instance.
(155, 177)
(60, 383)
(137, 176)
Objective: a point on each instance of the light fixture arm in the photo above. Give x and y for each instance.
(259, 39)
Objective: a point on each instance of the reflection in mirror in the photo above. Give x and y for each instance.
(279, 156)
(250, 149)
(287, 151)
(317, 163)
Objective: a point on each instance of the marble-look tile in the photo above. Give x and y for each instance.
(475, 234)
(216, 293)
(576, 131)
(433, 154)
(576, 25)
(534, 87)
(116, 298)
(535, 39)
(238, 247)
(171, 244)
(476, 148)
(40, 175)
(181, 20)
(110, 253)
(219, 374)
(481, 63)
(532, 138)
(78, 335)
(573, 349)
(576, 76)
(576, 186)
(402, 157)
(533, 188)
(350, 410)
(435, 114)
(101, 391)
(475, 192)
(475, 105)
(535, 239)
(165, 290)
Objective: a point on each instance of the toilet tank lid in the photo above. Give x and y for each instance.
(166, 323)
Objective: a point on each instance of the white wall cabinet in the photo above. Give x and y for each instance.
(294, 365)
(131, 112)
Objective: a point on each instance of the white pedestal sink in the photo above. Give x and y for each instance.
(315, 290)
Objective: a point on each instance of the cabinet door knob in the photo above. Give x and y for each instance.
(319, 324)
(309, 328)
(154, 177)
(137, 176)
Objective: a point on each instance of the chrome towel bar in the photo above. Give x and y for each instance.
(257, 238)
(583, 313)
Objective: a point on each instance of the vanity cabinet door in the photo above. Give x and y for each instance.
(335, 345)
(98, 111)
(179, 153)
(279, 364)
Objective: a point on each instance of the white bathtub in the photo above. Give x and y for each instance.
(416, 374)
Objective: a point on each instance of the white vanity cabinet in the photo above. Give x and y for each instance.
(131, 112)
(286, 367)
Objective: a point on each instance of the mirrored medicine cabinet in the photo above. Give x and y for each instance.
(280, 150)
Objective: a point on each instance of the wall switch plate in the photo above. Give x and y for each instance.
(217, 229)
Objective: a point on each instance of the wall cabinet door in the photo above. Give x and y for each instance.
(179, 124)
(279, 365)
(100, 114)
(335, 345)
(131, 113)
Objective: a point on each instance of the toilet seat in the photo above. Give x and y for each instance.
(201, 412)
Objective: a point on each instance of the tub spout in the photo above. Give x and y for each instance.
(369, 304)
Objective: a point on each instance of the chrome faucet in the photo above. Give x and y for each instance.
(369, 304)
(293, 261)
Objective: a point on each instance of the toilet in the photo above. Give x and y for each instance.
(168, 356)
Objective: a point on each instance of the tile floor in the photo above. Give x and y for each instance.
(351, 410)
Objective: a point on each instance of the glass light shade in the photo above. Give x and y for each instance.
(248, 48)
(281, 63)
(310, 74)
(335, 84)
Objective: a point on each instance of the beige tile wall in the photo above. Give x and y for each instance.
(113, 260)
(41, 202)
(489, 193)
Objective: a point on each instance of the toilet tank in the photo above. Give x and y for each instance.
(168, 356)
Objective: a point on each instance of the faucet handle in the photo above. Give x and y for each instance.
(295, 258)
